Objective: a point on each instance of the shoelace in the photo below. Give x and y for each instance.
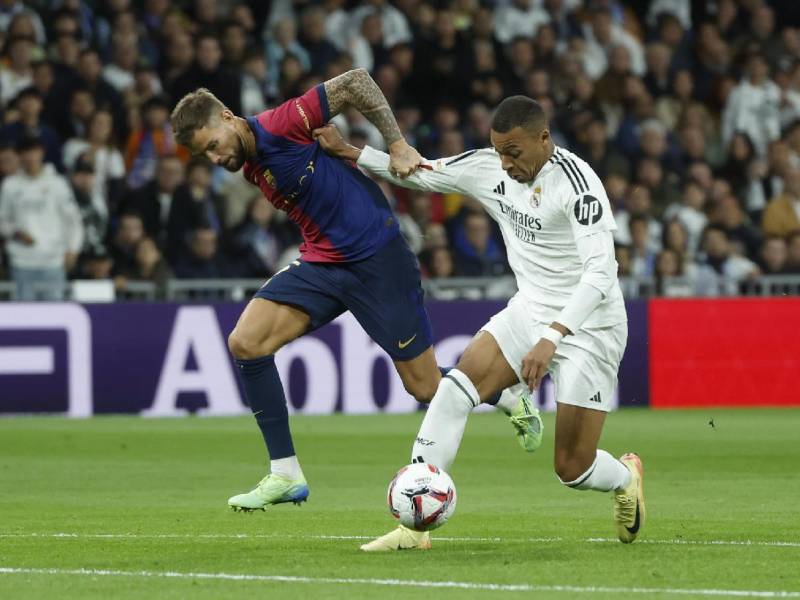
(521, 422)
(626, 508)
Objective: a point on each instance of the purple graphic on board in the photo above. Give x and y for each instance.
(172, 359)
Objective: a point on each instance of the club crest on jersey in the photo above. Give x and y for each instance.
(588, 210)
(269, 177)
(536, 196)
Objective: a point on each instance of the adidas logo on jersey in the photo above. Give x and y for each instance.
(501, 188)
(595, 398)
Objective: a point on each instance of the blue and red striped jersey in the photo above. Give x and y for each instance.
(342, 214)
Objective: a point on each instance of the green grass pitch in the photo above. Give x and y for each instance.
(141, 499)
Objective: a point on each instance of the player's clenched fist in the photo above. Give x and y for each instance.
(534, 365)
(404, 159)
(332, 142)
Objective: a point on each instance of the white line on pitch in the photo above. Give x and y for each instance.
(668, 542)
(464, 585)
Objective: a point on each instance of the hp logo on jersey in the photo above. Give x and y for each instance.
(588, 210)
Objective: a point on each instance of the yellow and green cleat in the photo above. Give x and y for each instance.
(629, 510)
(273, 489)
(528, 424)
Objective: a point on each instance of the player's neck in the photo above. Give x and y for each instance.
(537, 168)
(248, 139)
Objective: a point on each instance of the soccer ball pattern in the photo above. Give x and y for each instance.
(422, 497)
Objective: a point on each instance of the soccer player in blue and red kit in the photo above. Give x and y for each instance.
(352, 257)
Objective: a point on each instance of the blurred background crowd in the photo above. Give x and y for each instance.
(688, 110)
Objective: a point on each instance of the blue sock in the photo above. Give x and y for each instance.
(493, 399)
(264, 392)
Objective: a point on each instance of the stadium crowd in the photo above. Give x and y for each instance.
(688, 111)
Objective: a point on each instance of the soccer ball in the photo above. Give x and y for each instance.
(422, 497)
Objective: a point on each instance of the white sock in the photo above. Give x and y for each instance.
(605, 474)
(288, 467)
(440, 434)
(510, 397)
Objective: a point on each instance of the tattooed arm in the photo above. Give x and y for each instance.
(357, 89)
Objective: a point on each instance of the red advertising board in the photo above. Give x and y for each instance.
(724, 352)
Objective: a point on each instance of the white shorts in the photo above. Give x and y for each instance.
(584, 367)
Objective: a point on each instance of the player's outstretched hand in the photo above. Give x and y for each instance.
(534, 365)
(404, 158)
(332, 142)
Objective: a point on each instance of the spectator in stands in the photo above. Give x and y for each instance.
(438, 263)
(95, 266)
(179, 57)
(643, 256)
(793, 257)
(321, 52)
(17, 73)
(520, 18)
(605, 159)
(637, 204)
(676, 238)
(753, 106)
(195, 204)
(150, 266)
(234, 45)
(601, 36)
(208, 72)
(80, 109)
(622, 254)
(477, 252)
(44, 81)
(41, 223)
(153, 201)
(730, 216)
(9, 160)
(782, 215)
(130, 231)
(774, 256)
(90, 76)
(148, 143)
(200, 257)
(282, 43)
(668, 264)
(256, 244)
(93, 218)
(100, 145)
(690, 212)
(722, 261)
(120, 73)
(29, 105)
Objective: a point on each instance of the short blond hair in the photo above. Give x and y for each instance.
(193, 112)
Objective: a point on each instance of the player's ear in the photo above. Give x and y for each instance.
(226, 115)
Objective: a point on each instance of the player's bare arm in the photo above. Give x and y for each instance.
(357, 89)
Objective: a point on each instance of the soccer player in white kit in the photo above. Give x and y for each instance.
(568, 317)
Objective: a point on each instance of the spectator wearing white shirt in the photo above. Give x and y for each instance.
(520, 18)
(40, 220)
(689, 212)
(124, 56)
(18, 73)
(109, 165)
(602, 34)
(753, 107)
(393, 23)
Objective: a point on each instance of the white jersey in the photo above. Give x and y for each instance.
(540, 221)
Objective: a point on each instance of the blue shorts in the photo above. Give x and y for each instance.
(383, 292)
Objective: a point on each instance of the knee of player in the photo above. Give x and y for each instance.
(422, 391)
(243, 347)
(570, 467)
